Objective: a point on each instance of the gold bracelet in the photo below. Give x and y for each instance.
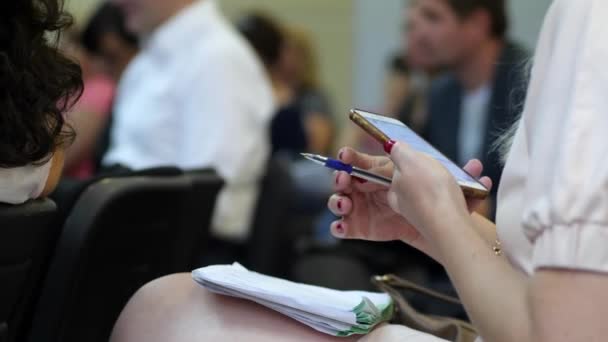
(497, 248)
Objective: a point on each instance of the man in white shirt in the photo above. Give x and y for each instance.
(195, 97)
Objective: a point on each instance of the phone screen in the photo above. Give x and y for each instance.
(400, 132)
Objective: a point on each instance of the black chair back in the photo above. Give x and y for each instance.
(206, 186)
(121, 234)
(270, 243)
(26, 240)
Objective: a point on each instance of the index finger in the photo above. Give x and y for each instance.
(364, 161)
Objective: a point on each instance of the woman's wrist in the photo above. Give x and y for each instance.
(441, 231)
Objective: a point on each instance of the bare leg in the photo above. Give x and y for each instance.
(176, 309)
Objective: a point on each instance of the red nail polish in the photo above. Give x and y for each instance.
(340, 229)
(360, 180)
(340, 204)
(388, 146)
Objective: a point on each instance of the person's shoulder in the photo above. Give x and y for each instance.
(226, 47)
(514, 53)
(443, 84)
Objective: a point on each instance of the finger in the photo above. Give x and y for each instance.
(351, 156)
(474, 167)
(343, 183)
(487, 182)
(401, 155)
(346, 184)
(339, 229)
(340, 205)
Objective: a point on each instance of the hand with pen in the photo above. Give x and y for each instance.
(376, 213)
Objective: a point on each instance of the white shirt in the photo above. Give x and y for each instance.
(20, 184)
(553, 200)
(473, 120)
(197, 97)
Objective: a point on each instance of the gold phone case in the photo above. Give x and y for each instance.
(382, 138)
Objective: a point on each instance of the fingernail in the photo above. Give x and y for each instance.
(340, 229)
(340, 154)
(338, 178)
(388, 146)
(339, 204)
(360, 180)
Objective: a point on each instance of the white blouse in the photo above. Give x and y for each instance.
(17, 185)
(553, 199)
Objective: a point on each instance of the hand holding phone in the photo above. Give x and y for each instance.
(385, 130)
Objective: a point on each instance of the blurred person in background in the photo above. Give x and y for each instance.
(89, 115)
(420, 71)
(288, 133)
(302, 122)
(112, 47)
(407, 81)
(109, 42)
(194, 97)
(103, 49)
(476, 99)
(299, 68)
(38, 85)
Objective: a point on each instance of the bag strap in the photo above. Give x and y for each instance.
(400, 283)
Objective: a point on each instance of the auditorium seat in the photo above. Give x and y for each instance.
(27, 238)
(122, 233)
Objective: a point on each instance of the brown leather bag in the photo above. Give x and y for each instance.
(450, 329)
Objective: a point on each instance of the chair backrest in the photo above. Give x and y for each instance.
(27, 238)
(206, 185)
(122, 233)
(269, 243)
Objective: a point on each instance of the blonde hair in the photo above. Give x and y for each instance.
(302, 41)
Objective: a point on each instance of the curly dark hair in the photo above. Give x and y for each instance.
(38, 84)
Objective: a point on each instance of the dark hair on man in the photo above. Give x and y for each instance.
(265, 35)
(496, 8)
(108, 18)
(37, 83)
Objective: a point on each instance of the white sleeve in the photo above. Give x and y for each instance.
(567, 132)
(18, 185)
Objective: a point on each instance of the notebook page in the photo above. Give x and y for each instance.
(295, 313)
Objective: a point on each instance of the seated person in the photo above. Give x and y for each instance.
(104, 49)
(33, 134)
(298, 68)
(195, 97)
(288, 135)
(540, 274)
(89, 115)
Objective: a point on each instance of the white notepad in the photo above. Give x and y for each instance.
(337, 313)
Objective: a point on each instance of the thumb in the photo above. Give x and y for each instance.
(400, 154)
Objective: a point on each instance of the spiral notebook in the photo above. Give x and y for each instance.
(337, 313)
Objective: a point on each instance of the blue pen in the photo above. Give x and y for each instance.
(351, 170)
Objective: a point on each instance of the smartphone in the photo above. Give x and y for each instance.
(383, 129)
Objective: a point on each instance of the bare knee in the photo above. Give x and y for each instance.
(176, 309)
(153, 311)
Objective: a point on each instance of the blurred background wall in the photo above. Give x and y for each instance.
(354, 38)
